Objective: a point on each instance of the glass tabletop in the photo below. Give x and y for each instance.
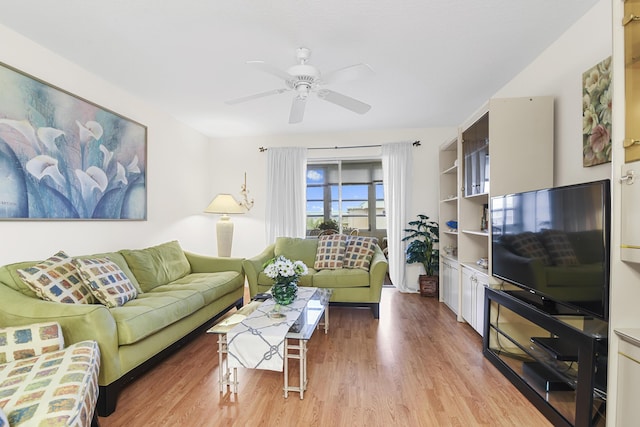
(310, 316)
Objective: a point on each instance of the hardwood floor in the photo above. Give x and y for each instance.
(415, 366)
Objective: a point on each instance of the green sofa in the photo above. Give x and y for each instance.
(180, 294)
(351, 287)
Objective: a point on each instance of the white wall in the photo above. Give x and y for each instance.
(558, 72)
(177, 186)
(625, 277)
(233, 156)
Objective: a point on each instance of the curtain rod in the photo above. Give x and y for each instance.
(415, 144)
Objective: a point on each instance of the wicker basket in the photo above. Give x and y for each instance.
(428, 285)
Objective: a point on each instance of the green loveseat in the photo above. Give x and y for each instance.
(180, 294)
(352, 287)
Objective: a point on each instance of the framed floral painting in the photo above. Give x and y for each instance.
(62, 157)
(596, 114)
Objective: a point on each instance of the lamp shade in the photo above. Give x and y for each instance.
(224, 204)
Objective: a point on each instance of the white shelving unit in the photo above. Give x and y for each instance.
(506, 147)
(448, 211)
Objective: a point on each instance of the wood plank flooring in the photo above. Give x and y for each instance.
(415, 366)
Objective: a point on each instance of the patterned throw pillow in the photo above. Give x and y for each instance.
(21, 342)
(107, 281)
(527, 245)
(359, 252)
(330, 252)
(559, 247)
(3, 419)
(56, 279)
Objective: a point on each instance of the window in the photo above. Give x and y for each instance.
(347, 194)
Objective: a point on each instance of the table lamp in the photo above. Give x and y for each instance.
(224, 204)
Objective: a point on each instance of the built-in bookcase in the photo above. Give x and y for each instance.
(449, 202)
(506, 147)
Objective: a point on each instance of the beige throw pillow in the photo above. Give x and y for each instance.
(107, 281)
(330, 252)
(359, 252)
(57, 279)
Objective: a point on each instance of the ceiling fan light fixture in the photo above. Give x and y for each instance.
(301, 70)
(304, 79)
(302, 90)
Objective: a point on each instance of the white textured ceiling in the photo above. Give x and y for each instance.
(436, 61)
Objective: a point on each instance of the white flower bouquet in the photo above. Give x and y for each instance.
(284, 271)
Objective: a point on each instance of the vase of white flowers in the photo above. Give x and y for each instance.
(285, 274)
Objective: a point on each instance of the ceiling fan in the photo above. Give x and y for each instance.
(304, 79)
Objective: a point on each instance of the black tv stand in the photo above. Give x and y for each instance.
(544, 377)
(559, 349)
(547, 305)
(557, 361)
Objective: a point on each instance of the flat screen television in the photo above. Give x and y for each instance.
(554, 244)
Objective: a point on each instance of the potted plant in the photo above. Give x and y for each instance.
(424, 234)
(330, 224)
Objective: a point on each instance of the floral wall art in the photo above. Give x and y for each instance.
(596, 114)
(62, 157)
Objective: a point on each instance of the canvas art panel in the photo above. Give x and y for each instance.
(596, 114)
(62, 157)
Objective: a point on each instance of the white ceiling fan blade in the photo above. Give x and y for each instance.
(297, 109)
(255, 96)
(270, 69)
(346, 74)
(344, 101)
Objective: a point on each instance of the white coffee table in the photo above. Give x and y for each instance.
(314, 315)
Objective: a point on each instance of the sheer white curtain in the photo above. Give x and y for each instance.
(286, 198)
(397, 170)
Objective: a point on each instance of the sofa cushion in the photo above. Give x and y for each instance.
(21, 342)
(359, 251)
(108, 283)
(295, 249)
(211, 286)
(56, 279)
(10, 277)
(157, 265)
(559, 247)
(330, 252)
(343, 278)
(153, 311)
